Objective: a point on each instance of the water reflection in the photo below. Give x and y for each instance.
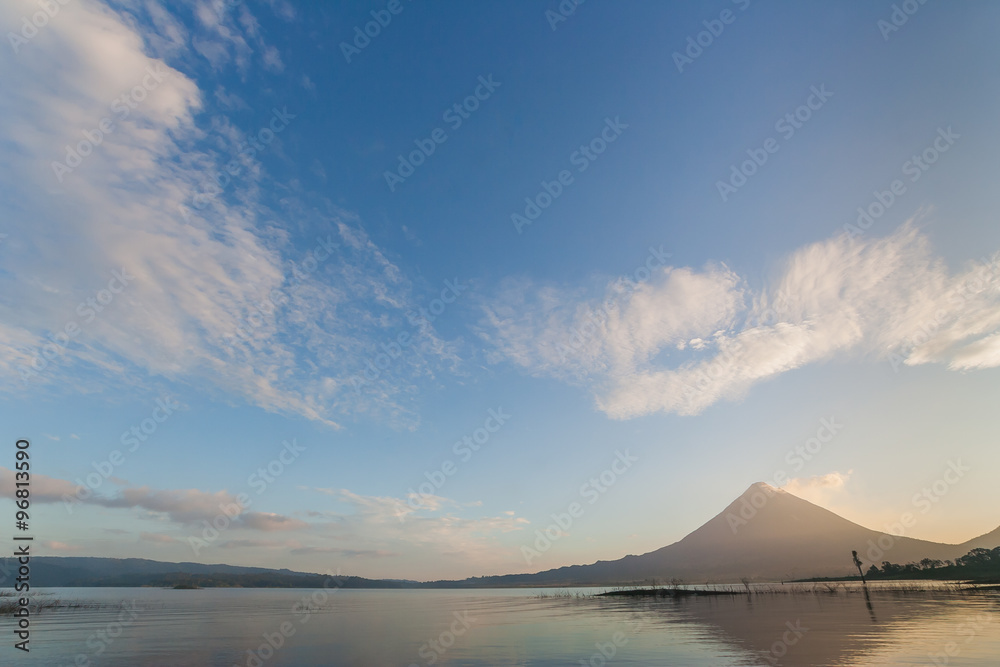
(841, 625)
(868, 603)
(265, 628)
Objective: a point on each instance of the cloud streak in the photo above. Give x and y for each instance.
(686, 339)
(181, 506)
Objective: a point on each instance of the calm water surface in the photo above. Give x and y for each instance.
(228, 627)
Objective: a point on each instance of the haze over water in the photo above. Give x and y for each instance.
(217, 628)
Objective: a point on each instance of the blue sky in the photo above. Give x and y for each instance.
(704, 330)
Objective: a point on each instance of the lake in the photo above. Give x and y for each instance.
(332, 627)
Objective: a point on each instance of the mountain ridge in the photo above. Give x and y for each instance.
(765, 534)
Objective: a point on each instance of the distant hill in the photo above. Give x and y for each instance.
(57, 571)
(987, 541)
(764, 535)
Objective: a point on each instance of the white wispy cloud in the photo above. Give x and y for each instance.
(60, 547)
(685, 339)
(829, 490)
(198, 273)
(801, 486)
(269, 521)
(436, 529)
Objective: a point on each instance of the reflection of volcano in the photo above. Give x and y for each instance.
(831, 628)
(766, 535)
